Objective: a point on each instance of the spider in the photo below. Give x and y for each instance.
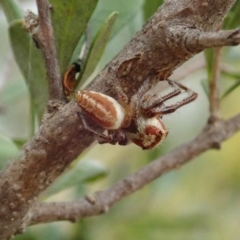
(138, 120)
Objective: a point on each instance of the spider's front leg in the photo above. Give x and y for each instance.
(158, 108)
(152, 101)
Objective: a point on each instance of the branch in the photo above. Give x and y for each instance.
(42, 32)
(214, 87)
(100, 202)
(197, 41)
(155, 51)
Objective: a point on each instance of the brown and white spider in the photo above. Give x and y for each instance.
(138, 120)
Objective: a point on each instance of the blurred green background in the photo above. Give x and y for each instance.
(201, 200)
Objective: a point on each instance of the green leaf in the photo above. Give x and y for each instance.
(233, 75)
(30, 62)
(150, 7)
(209, 56)
(69, 19)
(19, 142)
(8, 150)
(11, 10)
(98, 46)
(126, 9)
(205, 86)
(80, 173)
(102, 12)
(233, 20)
(233, 87)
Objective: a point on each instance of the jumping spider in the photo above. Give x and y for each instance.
(138, 120)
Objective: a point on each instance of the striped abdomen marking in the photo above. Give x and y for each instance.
(105, 110)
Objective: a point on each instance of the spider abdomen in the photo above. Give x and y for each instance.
(105, 110)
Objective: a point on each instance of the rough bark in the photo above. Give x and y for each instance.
(176, 32)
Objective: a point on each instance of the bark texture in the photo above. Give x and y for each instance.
(176, 32)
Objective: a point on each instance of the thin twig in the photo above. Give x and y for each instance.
(214, 87)
(101, 202)
(212, 39)
(45, 39)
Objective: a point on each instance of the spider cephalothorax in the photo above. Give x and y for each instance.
(138, 120)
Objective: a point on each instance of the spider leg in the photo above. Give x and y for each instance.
(161, 99)
(101, 137)
(172, 108)
(118, 136)
(136, 99)
(113, 136)
(191, 97)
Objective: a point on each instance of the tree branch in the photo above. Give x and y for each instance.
(196, 40)
(41, 30)
(155, 51)
(214, 87)
(100, 202)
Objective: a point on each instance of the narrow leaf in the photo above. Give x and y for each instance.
(30, 62)
(233, 75)
(209, 56)
(98, 46)
(150, 7)
(126, 9)
(8, 150)
(69, 19)
(233, 20)
(81, 172)
(11, 10)
(232, 88)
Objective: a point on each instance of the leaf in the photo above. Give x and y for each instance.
(233, 75)
(233, 87)
(205, 86)
(233, 20)
(98, 46)
(69, 19)
(81, 172)
(19, 142)
(102, 12)
(8, 150)
(150, 7)
(11, 10)
(209, 56)
(30, 62)
(126, 9)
